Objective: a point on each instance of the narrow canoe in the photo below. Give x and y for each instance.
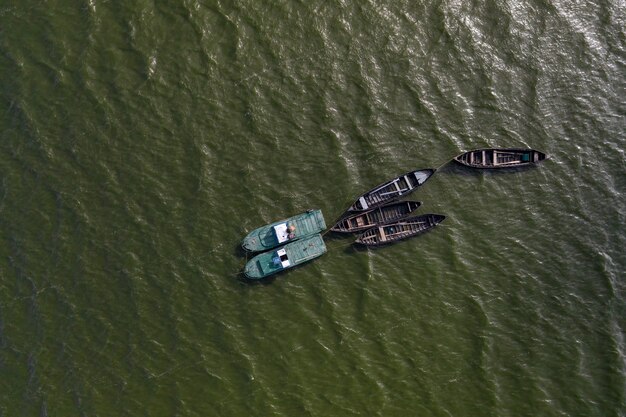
(391, 190)
(285, 257)
(402, 229)
(382, 214)
(500, 158)
(275, 234)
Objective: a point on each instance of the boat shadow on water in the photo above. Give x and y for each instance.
(353, 249)
(345, 242)
(241, 277)
(453, 168)
(241, 252)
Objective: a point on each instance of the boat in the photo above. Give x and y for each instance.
(391, 190)
(275, 234)
(285, 257)
(381, 214)
(491, 158)
(386, 233)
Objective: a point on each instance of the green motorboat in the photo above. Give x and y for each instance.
(285, 257)
(284, 231)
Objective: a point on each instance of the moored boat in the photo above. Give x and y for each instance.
(392, 190)
(285, 257)
(381, 214)
(491, 158)
(278, 233)
(384, 234)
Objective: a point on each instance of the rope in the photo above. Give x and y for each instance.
(444, 164)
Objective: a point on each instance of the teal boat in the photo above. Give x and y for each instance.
(285, 257)
(284, 231)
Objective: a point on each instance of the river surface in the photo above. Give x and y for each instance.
(141, 141)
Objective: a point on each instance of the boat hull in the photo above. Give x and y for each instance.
(500, 158)
(360, 221)
(278, 233)
(396, 231)
(285, 257)
(391, 190)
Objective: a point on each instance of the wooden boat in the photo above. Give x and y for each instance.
(392, 190)
(285, 257)
(398, 230)
(275, 234)
(500, 158)
(381, 214)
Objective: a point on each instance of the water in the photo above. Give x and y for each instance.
(141, 142)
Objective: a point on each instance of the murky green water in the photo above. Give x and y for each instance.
(141, 142)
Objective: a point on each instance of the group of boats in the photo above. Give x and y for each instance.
(378, 217)
(285, 244)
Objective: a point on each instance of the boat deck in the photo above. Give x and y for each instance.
(391, 232)
(309, 224)
(277, 233)
(500, 158)
(301, 251)
(381, 214)
(289, 255)
(392, 190)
